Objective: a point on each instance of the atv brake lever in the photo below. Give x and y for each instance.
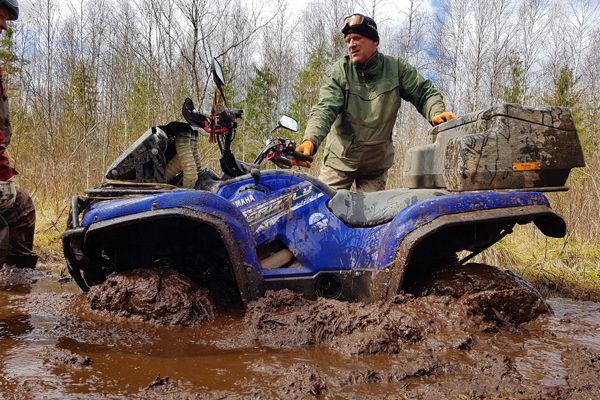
(279, 160)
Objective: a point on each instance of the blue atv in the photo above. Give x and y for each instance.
(249, 230)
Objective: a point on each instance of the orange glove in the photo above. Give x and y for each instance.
(441, 118)
(308, 149)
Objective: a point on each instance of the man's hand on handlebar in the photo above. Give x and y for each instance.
(303, 154)
(284, 153)
(298, 163)
(298, 159)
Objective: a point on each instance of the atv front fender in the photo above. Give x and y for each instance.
(84, 246)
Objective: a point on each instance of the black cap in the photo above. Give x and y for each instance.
(363, 25)
(11, 7)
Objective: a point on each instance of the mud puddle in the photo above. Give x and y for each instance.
(54, 345)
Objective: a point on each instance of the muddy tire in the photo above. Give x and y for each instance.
(495, 294)
(161, 296)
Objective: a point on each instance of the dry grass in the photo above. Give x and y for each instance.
(557, 267)
(48, 229)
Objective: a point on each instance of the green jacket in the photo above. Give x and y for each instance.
(358, 106)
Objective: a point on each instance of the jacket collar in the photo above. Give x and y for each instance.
(372, 67)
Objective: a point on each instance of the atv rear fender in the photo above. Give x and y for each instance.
(436, 242)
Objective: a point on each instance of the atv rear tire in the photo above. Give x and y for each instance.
(495, 294)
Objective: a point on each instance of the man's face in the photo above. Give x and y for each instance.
(3, 19)
(360, 48)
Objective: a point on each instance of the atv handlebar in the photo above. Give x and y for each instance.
(221, 126)
(231, 114)
(302, 157)
(281, 151)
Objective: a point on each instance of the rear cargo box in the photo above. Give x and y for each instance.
(505, 147)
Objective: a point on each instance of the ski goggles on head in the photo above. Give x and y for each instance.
(358, 23)
(352, 20)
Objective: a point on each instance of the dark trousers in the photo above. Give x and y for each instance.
(17, 227)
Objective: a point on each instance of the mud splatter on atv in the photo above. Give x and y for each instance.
(248, 230)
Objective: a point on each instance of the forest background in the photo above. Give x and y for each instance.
(86, 78)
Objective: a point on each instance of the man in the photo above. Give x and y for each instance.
(17, 214)
(357, 109)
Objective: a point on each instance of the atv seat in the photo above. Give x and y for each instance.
(376, 208)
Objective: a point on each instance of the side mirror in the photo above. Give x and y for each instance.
(217, 73)
(288, 123)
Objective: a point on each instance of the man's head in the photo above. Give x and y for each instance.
(361, 37)
(9, 11)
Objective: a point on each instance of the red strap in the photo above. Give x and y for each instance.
(6, 171)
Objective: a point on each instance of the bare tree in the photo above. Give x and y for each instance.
(450, 46)
(502, 31)
(374, 8)
(322, 26)
(533, 19)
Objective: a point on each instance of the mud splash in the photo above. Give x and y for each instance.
(161, 296)
(54, 345)
(285, 320)
(453, 306)
(488, 291)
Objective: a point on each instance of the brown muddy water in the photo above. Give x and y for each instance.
(120, 341)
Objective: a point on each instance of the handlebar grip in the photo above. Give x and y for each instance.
(236, 112)
(302, 157)
(231, 115)
(282, 162)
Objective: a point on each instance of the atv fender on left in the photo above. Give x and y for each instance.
(197, 232)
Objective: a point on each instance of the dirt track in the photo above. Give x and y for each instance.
(52, 343)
